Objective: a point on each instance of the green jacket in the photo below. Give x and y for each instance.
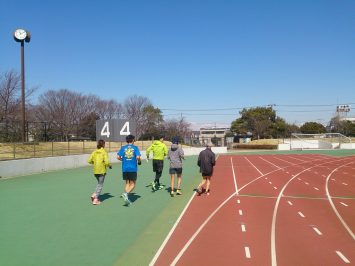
(100, 160)
(159, 150)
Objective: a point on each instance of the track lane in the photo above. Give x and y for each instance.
(256, 211)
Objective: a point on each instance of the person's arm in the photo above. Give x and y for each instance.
(90, 160)
(147, 152)
(182, 154)
(199, 160)
(107, 161)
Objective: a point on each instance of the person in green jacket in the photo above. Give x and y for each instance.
(159, 150)
(100, 160)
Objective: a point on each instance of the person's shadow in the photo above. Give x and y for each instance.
(133, 197)
(105, 196)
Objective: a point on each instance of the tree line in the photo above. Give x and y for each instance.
(61, 115)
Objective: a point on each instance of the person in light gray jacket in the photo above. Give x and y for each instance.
(175, 155)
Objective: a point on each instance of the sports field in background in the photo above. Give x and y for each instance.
(48, 219)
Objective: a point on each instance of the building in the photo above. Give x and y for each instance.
(216, 135)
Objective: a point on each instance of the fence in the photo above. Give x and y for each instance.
(12, 151)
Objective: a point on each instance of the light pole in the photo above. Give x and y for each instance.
(22, 36)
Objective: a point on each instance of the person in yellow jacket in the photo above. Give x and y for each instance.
(159, 150)
(100, 160)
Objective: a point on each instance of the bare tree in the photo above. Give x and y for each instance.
(177, 128)
(10, 100)
(134, 110)
(108, 109)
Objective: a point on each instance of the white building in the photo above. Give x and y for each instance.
(216, 135)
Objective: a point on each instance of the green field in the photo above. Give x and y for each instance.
(48, 219)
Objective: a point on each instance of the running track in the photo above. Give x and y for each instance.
(269, 210)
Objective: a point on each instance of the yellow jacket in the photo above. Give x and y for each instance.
(100, 160)
(159, 150)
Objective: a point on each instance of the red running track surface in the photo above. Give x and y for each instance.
(269, 210)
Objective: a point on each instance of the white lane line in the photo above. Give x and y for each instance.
(275, 187)
(316, 188)
(266, 178)
(342, 256)
(345, 184)
(270, 163)
(234, 178)
(155, 258)
(247, 252)
(254, 166)
(289, 202)
(332, 204)
(333, 179)
(306, 183)
(342, 203)
(243, 228)
(301, 214)
(238, 201)
(299, 179)
(240, 212)
(270, 182)
(317, 231)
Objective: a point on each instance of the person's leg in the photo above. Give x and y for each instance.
(100, 183)
(131, 186)
(178, 190)
(172, 183)
(208, 183)
(200, 186)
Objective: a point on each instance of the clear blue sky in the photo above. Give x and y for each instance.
(191, 56)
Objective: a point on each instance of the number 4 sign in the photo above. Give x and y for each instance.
(114, 129)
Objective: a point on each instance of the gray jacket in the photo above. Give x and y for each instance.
(175, 155)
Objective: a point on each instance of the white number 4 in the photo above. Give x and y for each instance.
(105, 131)
(125, 129)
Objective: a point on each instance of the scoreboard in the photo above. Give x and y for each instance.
(114, 129)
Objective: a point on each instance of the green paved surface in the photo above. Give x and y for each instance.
(48, 219)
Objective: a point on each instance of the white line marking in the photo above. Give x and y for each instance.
(290, 203)
(238, 201)
(332, 178)
(345, 184)
(306, 183)
(270, 182)
(299, 179)
(254, 166)
(243, 228)
(171, 232)
(316, 188)
(247, 252)
(192, 238)
(333, 206)
(301, 214)
(342, 256)
(234, 178)
(240, 212)
(274, 214)
(270, 162)
(266, 178)
(342, 203)
(275, 187)
(317, 231)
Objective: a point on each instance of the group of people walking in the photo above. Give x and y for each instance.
(130, 157)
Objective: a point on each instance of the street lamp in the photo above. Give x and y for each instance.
(22, 36)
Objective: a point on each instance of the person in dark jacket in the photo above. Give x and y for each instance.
(206, 161)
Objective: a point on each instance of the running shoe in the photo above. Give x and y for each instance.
(96, 202)
(126, 199)
(178, 192)
(172, 194)
(160, 187)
